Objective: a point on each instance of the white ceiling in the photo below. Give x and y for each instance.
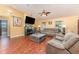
(57, 10)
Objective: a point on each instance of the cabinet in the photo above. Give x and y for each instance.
(29, 29)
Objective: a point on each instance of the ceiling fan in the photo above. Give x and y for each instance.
(45, 13)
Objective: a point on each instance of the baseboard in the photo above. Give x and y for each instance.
(17, 35)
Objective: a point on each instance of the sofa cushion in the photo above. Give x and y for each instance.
(60, 34)
(49, 31)
(68, 36)
(56, 43)
(59, 38)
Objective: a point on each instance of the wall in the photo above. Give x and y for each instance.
(9, 12)
(47, 23)
(70, 22)
(37, 22)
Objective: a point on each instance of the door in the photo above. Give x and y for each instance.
(3, 28)
(78, 26)
(4, 39)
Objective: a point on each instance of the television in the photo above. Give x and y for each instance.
(29, 20)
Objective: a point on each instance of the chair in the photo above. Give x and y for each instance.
(57, 46)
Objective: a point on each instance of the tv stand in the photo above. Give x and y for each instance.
(29, 29)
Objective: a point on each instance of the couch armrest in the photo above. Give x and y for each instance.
(53, 50)
(75, 48)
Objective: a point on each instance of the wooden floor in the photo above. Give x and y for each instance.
(22, 45)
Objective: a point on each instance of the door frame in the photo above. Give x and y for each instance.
(78, 26)
(8, 27)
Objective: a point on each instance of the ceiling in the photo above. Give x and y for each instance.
(57, 10)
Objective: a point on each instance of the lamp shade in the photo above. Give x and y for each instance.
(64, 26)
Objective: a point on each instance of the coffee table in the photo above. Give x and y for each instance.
(37, 37)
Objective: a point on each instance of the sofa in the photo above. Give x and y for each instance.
(50, 31)
(63, 45)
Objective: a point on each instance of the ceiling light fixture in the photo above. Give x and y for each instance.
(44, 14)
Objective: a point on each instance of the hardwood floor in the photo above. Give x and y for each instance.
(22, 45)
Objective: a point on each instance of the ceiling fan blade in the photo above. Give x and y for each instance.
(48, 12)
(44, 12)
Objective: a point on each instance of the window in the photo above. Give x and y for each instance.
(59, 25)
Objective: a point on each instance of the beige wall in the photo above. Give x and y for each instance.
(70, 22)
(13, 31)
(47, 23)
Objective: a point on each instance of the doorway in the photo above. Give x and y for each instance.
(78, 26)
(4, 39)
(3, 28)
(43, 26)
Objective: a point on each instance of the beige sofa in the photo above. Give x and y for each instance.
(58, 46)
(50, 31)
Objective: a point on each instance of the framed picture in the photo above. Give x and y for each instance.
(50, 22)
(17, 21)
(43, 22)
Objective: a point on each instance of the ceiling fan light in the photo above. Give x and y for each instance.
(43, 14)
